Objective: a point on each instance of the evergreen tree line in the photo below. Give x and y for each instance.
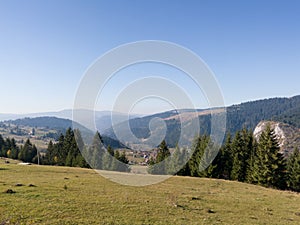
(66, 152)
(241, 158)
(105, 159)
(26, 153)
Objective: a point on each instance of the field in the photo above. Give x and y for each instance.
(61, 195)
(38, 139)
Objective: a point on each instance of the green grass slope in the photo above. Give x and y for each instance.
(62, 195)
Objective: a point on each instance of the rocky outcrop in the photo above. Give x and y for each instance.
(287, 135)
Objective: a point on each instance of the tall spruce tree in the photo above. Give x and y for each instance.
(160, 163)
(251, 162)
(199, 160)
(49, 158)
(224, 159)
(79, 140)
(115, 161)
(108, 158)
(2, 145)
(67, 149)
(60, 155)
(269, 164)
(184, 159)
(119, 161)
(28, 152)
(175, 162)
(97, 151)
(163, 152)
(242, 146)
(14, 149)
(293, 171)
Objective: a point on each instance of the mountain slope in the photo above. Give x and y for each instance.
(59, 125)
(287, 135)
(149, 130)
(247, 115)
(102, 118)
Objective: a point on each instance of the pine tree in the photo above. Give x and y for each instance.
(163, 152)
(9, 148)
(66, 151)
(81, 162)
(120, 162)
(74, 151)
(242, 146)
(2, 143)
(176, 162)
(184, 171)
(251, 162)
(14, 149)
(293, 171)
(79, 140)
(97, 151)
(28, 152)
(115, 161)
(269, 165)
(200, 159)
(35, 155)
(161, 162)
(108, 157)
(59, 155)
(69, 159)
(223, 161)
(123, 158)
(123, 163)
(81, 156)
(67, 148)
(110, 150)
(49, 159)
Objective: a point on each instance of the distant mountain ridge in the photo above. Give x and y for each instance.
(248, 115)
(60, 125)
(102, 119)
(50, 122)
(245, 115)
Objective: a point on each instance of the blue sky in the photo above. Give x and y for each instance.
(253, 47)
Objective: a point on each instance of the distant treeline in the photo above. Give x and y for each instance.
(26, 153)
(241, 158)
(249, 114)
(245, 115)
(68, 151)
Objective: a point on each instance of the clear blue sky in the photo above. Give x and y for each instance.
(253, 47)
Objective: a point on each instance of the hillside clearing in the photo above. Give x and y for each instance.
(62, 195)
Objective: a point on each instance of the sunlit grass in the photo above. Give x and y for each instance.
(62, 195)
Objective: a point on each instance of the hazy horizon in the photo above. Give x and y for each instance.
(252, 48)
(143, 114)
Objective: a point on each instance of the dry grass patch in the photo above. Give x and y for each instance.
(87, 198)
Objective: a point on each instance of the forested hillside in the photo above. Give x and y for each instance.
(242, 158)
(52, 128)
(246, 115)
(251, 113)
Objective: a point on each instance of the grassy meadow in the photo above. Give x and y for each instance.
(62, 195)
